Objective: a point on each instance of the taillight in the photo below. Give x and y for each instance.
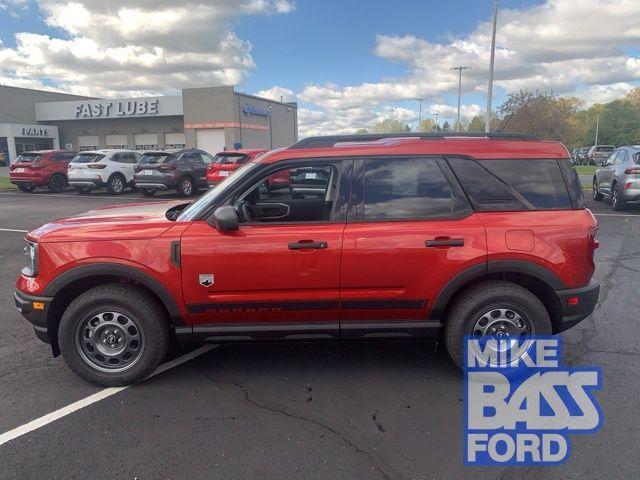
(631, 170)
(97, 166)
(166, 167)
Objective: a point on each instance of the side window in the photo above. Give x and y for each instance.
(206, 158)
(408, 189)
(117, 158)
(621, 158)
(519, 184)
(612, 158)
(297, 194)
(198, 159)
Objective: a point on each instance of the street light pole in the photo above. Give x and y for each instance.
(270, 129)
(597, 127)
(460, 68)
(435, 114)
(420, 116)
(487, 120)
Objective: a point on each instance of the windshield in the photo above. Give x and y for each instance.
(224, 159)
(27, 158)
(87, 158)
(155, 158)
(191, 212)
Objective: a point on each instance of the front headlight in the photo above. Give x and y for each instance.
(31, 257)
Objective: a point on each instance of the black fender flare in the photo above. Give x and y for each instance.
(119, 270)
(481, 270)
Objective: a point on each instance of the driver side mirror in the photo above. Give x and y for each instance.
(225, 219)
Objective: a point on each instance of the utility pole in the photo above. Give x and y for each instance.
(435, 114)
(597, 127)
(460, 68)
(270, 129)
(420, 116)
(487, 118)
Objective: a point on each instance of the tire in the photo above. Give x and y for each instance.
(57, 183)
(83, 190)
(147, 193)
(116, 184)
(26, 187)
(108, 306)
(186, 187)
(617, 203)
(597, 196)
(477, 302)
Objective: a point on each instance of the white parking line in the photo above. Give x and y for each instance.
(13, 230)
(96, 397)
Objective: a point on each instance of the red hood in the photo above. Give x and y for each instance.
(133, 221)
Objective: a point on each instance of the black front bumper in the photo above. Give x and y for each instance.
(572, 314)
(37, 317)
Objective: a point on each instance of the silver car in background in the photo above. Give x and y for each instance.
(619, 178)
(598, 154)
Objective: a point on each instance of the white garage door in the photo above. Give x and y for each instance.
(211, 140)
(174, 140)
(146, 141)
(116, 141)
(87, 142)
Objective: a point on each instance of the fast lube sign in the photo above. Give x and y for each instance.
(117, 108)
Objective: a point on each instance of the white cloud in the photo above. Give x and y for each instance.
(571, 46)
(277, 93)
(119, 48)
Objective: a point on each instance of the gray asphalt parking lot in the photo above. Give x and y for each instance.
(352, 410)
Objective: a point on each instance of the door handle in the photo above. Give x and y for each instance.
(308, 244)
(444, 242)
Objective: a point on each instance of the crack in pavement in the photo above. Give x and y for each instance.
(385, 470)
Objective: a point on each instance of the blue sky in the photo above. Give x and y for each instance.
(349, 64)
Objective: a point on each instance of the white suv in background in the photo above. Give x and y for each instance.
(110, 169)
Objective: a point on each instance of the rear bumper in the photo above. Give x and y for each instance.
(35, 180)
(37, 317)
(587, 298)
(94, 182)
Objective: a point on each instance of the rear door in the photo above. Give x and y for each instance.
(605, 174)
(409, 231)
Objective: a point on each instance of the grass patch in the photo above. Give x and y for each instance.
(585, 169)
(5, 185)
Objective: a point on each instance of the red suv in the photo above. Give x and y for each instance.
(229, 161)
(45, 167)
(374, 236)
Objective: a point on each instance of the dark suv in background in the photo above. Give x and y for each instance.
(182, 170)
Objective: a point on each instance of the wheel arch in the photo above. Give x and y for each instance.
(67, 286)
(539, 280)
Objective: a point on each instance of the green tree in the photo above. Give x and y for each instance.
(362, 131)
(446, 127)
(476, 124)
(427, 125)
(391, 126)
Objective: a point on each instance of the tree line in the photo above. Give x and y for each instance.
(549, 116)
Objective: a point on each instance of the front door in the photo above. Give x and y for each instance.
(278, 275)
(409, 231)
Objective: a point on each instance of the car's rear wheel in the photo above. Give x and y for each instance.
(597, 196)
(116, 184)
(57, 183)
(147, 193)
(497, 309)
(186, 187)
(617, 203)
(113, 334)
(83, 190)
(26, 187)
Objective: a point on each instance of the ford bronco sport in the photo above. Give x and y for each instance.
(420, 235)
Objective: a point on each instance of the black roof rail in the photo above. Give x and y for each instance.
(331, 140)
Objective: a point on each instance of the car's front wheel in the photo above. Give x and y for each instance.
(57, 183)
(494, 309)
(113, 334)
(597, 196)
(186, 187)
(116, 184)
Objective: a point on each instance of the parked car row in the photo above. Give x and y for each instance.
(618, 178)
(186, 170)
(595, 155)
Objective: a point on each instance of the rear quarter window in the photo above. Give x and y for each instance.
(530, 184)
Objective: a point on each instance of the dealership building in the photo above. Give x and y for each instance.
(210, 118)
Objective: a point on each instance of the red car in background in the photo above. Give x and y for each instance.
(40, 168)
(229, 161)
